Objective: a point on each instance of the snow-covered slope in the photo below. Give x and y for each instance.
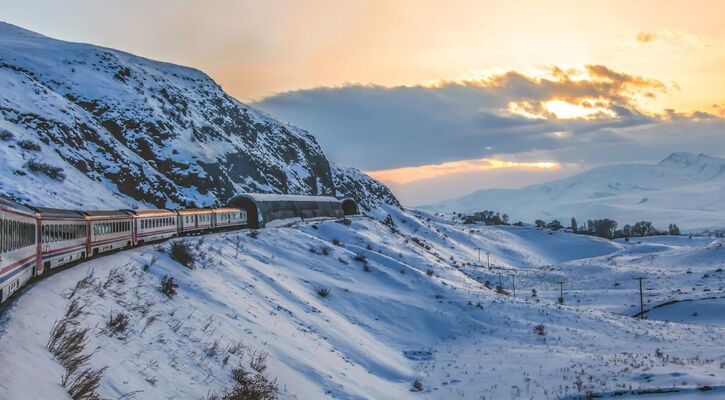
(351, 182)
(77, 118)
(683, 188)
(406, 301)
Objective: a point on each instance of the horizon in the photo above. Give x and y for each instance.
(531, 106)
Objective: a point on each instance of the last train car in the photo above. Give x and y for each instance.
(262, 209)
(229, 218)
(18, 246)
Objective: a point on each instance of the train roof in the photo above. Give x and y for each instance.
(46, 212)
(152, 212)
(105, 214)
(225, 209)
(6, 202)
(265, 197)
(194, 211)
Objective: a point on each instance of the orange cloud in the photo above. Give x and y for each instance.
(590, 92)
(674, 37)
(645, 37)
(407, 175)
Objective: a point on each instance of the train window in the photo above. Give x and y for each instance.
(14, 238)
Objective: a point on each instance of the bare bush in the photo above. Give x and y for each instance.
(258, 361)
(540, 330)
(212, 349)
(117, 325)
(237, 348)
(417, 385)
(323, 292)
(249, 386)
(168, 286)
(81, 284)
(85, 384)
(29, 145)
(6, 135)
(360, 258)
(182, 253)
(55, 173)
(253, 234)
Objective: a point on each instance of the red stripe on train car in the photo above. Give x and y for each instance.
(16, 264)
(51, 252)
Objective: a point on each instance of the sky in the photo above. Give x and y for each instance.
(441, 98)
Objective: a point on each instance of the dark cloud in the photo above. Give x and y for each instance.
(375, 127)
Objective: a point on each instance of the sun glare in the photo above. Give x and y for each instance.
(565, 110)
(407, 175)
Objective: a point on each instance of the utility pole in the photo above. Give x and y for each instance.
(641, 297)
(561, 291)
(488, 259)
(513, 284)
(479, 255)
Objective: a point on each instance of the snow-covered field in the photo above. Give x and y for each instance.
(683, 188)
(406, 303)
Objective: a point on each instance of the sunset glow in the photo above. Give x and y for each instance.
(407, 175)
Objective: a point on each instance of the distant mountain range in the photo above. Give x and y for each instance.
(82, 125)
(683, 188)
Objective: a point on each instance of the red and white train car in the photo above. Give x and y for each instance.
(108, 231)
(153, 225)
(63, 236)
(18, 247)
(194, 220)
(229, 218)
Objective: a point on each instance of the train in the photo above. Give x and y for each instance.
(36, 239)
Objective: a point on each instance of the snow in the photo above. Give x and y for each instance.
(420, 311)
(700, 311)
(286, 197)
(684, 188)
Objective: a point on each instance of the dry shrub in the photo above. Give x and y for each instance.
(168, 286)
(182, 253)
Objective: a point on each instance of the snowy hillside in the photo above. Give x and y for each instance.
(351, 182)
(683, 188)
(362, 311)
(121, 129)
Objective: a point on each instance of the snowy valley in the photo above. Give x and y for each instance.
(364, 310)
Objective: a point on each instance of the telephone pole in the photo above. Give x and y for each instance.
(513, 284)
(561, 291)
(488, 259)
(641, 297)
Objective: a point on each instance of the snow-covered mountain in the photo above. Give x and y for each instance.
(683, 188)
(96, 126)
